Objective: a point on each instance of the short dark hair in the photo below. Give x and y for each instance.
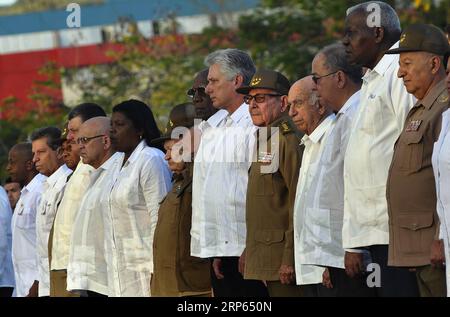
(53, 135)
(336, 59)
(87, 111)
(141, 116)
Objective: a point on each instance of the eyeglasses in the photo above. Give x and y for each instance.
(316, 78)
(259, 98)
(199, 90)
(85, 140)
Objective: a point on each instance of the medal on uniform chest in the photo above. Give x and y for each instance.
(265, 157)
(413, 125)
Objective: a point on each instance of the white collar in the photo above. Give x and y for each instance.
(319, 132)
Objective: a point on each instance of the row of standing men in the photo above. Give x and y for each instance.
(344, 180)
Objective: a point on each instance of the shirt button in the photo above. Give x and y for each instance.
(267, 239)
(226, 242)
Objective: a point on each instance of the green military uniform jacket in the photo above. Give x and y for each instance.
(270, 202)
(176, 272)
(411, 190)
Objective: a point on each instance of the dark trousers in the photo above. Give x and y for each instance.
(314, 290)
(345, 286)
(395, 281)
(6, 291)
(431, 281)
(91, 294)
(233, 284)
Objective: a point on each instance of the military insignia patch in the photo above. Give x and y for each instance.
(402, 38)
(255, 81)
(285, 127)
(443, 99)
(413, 125)
(265, 157)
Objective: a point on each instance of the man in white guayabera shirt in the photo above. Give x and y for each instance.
(87, 269)
(377, 124)
(337, 85)
(70, 203)
(21, 169)
(47, 157)
(315, 121)
(221, 175)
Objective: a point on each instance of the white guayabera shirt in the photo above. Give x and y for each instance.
(378, 122)
(87, 269)
(24, 254)
(219, 185)
(142, 183)
(324, 200)
(65, 216)
(314, 143)
(6, 266)
(441, 169)
(51, 196)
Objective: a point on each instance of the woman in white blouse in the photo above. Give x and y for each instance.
(441, 168)
(142, 183)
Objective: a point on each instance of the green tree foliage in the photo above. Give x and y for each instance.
(280, 34)
(43, 109)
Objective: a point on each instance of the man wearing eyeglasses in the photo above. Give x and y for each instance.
(203, 105)
(87, 269)
(70, 203)
(272, 180)
(337, 84)
(47, 157)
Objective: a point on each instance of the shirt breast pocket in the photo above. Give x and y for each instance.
(265, 184)
(26, 218)
(412, 156)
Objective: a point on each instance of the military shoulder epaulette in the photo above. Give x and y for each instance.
(286, 127)
(443, 98)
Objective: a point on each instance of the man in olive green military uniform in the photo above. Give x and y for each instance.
(411, 193)
(273, 175)
(176, 272)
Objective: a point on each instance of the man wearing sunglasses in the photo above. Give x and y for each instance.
(337, 84)
(269, 253)
(201, 100)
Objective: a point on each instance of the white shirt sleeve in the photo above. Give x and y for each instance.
(155, 183)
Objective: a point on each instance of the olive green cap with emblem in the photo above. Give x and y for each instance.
(267, 79)
(181, 115)
(422, 38)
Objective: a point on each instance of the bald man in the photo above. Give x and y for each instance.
(22, 170)
(70, 204)
(87, 269)
(315, 120)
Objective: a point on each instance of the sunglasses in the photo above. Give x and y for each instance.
(316, 78)
(193, 91)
